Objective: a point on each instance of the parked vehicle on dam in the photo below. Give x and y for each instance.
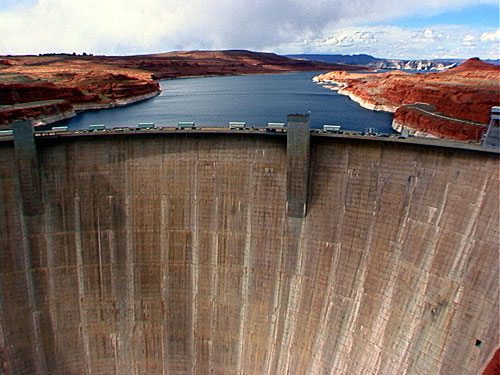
(60, 129)
(276, 127)
(97, 127)
(237, 125)
(331, 128)
(186, 125)
(146, 125)
(122, 128)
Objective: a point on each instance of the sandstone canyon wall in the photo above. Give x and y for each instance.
(465, 93)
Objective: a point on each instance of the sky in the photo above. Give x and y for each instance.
(398, 29)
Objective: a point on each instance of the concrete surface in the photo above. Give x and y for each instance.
(174, 254)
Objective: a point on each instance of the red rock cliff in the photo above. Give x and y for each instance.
(465, 93)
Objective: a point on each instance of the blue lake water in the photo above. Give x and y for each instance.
(254, 99)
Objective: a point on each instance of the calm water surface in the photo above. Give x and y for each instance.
(255, 99)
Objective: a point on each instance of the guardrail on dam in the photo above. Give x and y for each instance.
(174, 253)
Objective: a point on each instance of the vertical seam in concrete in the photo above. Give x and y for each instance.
(346, 330)
(274, 349)
(128, 328)
(4, 344)
(214, 288)
(391, 284)
(113, 249)
(343, 195)
(164, 277)
(294, 297)
(81, 286)
(326, 308)
(458, 268)
(195, 264)
(41, 366)
(51, 282)
(214, 257)
(273, 328)
(361, 271)
(99, 251)
(467, 239)
(246, 275)
(417, 329)
(113, 274)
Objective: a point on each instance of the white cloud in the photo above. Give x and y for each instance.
(429, 35)
(136, 26)
(367, 37)
(347, 39)
(400, 43)
(493, 36)
(468, 40)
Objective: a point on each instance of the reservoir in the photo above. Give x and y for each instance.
(254, 99)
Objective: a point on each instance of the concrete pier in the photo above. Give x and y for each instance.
(298, 159)
(176, 253)
(27, 168)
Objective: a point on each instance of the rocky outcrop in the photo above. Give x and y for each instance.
(37, 94)
(16, 93)
(426, 122)
(493, 367)
(41, 112)
(5, 62)
(465, 93)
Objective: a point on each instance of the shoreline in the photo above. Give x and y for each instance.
(343, 89)
(116, 103)
(363, 103)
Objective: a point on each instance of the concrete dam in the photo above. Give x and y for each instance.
(246, 253)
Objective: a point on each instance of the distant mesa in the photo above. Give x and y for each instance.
(476, 64)
(381, 63)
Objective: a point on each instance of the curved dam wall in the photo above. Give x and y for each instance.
(174, 254)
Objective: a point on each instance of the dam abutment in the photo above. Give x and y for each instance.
(175, 253)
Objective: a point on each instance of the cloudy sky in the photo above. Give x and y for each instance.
(405, 29)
